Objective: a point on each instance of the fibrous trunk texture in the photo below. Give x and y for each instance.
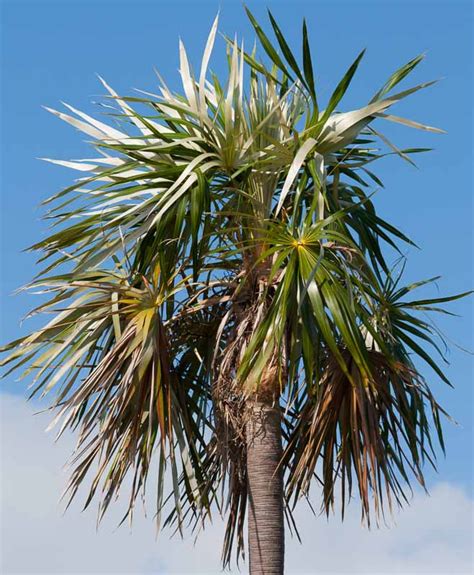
(266, 541)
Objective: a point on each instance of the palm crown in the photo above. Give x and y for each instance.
(224, 245)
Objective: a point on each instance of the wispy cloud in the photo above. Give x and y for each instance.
(434, 535)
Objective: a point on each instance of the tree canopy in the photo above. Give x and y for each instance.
(215, 230)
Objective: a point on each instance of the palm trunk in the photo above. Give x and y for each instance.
(266, 541)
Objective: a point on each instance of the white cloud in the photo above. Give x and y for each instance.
(434, 535)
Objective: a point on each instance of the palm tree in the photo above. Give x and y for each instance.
(222, 306)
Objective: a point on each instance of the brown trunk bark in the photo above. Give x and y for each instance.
(266, 540)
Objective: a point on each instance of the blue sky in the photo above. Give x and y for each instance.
(52, 50)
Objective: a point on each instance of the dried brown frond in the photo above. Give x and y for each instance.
(369, 431)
